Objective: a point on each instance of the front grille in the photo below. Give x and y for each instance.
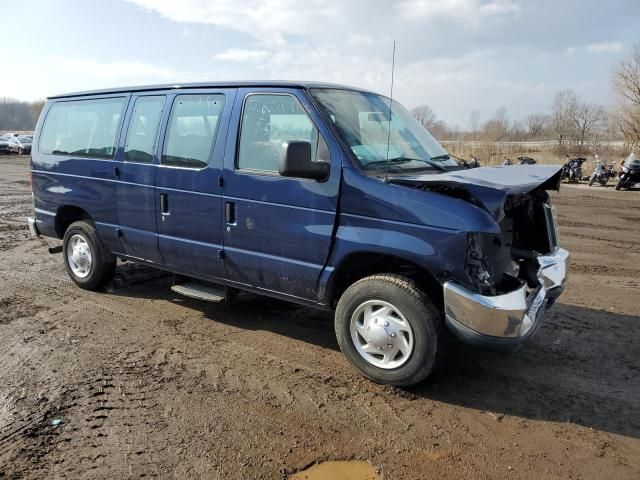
(552, 226)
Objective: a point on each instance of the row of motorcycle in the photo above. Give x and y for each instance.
(628, 174)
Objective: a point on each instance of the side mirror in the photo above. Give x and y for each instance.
(296, 162)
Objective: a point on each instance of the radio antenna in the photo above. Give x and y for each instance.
(393, 67)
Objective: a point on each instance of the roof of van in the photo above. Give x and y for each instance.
(229, 84)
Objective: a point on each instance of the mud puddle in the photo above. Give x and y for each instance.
(341, 470)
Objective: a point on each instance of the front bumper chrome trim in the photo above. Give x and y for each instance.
(33, 227)
(509, 318)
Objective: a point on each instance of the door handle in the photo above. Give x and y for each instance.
(230, 213)
(116, 172)
(164, 205)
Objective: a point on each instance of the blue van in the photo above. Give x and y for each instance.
(320, 194)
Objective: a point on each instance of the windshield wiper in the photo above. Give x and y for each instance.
(399, 160)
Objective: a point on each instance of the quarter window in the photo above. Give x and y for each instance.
(192, 130)
(143, 129)
(82, 128)
(268, 123)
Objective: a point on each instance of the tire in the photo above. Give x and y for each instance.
(620, 184)
(592, 179)
(410, 307)
(20, 151)
(99, 269)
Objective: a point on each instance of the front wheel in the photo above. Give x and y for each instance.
(388, 329)
(87, 260)
(620, 183)
(592, 179)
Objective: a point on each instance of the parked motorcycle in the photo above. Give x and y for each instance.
(473, 163)
(526, 161)
(601, 173)
(572, 170)
(629, 172)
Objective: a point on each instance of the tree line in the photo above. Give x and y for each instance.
(19, 115)
(569, 121)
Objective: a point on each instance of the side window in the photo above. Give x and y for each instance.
(268, 122)
(192, 130)
(82, 128)
(143, 129)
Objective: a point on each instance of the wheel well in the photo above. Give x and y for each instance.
(360, 265)
(66, 215)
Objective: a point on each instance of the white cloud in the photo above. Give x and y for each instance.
(468, 11)
(76, 74)
(268, 21)
(604, 47)
(360, 39)
(117, 70)
(242, 55)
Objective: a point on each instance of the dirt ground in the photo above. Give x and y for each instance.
(139, 382)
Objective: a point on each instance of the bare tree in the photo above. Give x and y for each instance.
(15, 115)
(440, 130)
(425, 115)
(563, 109)
(536, 124)
(474, 120)
(497, 128)
(517, 131)
(588, 119)
(626, 83)
(36, 107)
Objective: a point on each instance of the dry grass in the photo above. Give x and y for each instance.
(546, 153)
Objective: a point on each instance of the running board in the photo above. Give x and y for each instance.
(200, 291)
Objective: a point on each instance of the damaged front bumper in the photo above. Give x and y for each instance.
(509, 319)
(33, 227)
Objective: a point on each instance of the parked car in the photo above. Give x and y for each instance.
(307, 193)
(5, 144)
(20, 145)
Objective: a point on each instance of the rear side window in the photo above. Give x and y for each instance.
(192, 130)
(82, 128)
(269, 121)
(143, 129)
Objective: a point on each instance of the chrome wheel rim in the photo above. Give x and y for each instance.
(381, 334)
(79, 256)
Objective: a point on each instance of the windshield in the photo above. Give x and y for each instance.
(632, 161)
(362, 120)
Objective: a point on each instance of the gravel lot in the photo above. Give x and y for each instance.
(138, 382)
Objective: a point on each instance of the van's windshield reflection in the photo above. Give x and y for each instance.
(381, 137)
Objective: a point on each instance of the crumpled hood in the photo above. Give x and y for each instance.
(488, 187)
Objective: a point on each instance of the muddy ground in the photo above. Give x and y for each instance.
(144, 383)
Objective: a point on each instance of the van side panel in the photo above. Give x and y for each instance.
(190, 236)
(61, 180)
(281, 235)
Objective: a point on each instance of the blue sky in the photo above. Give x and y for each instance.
(455, 55)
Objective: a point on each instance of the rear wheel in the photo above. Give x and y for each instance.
(87, 260)
(388, 329)
(620, 183)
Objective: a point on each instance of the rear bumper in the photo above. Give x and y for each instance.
(507, 320)
(33, 227)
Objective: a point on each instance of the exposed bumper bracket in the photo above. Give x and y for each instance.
(507, 320)
(33, 227)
